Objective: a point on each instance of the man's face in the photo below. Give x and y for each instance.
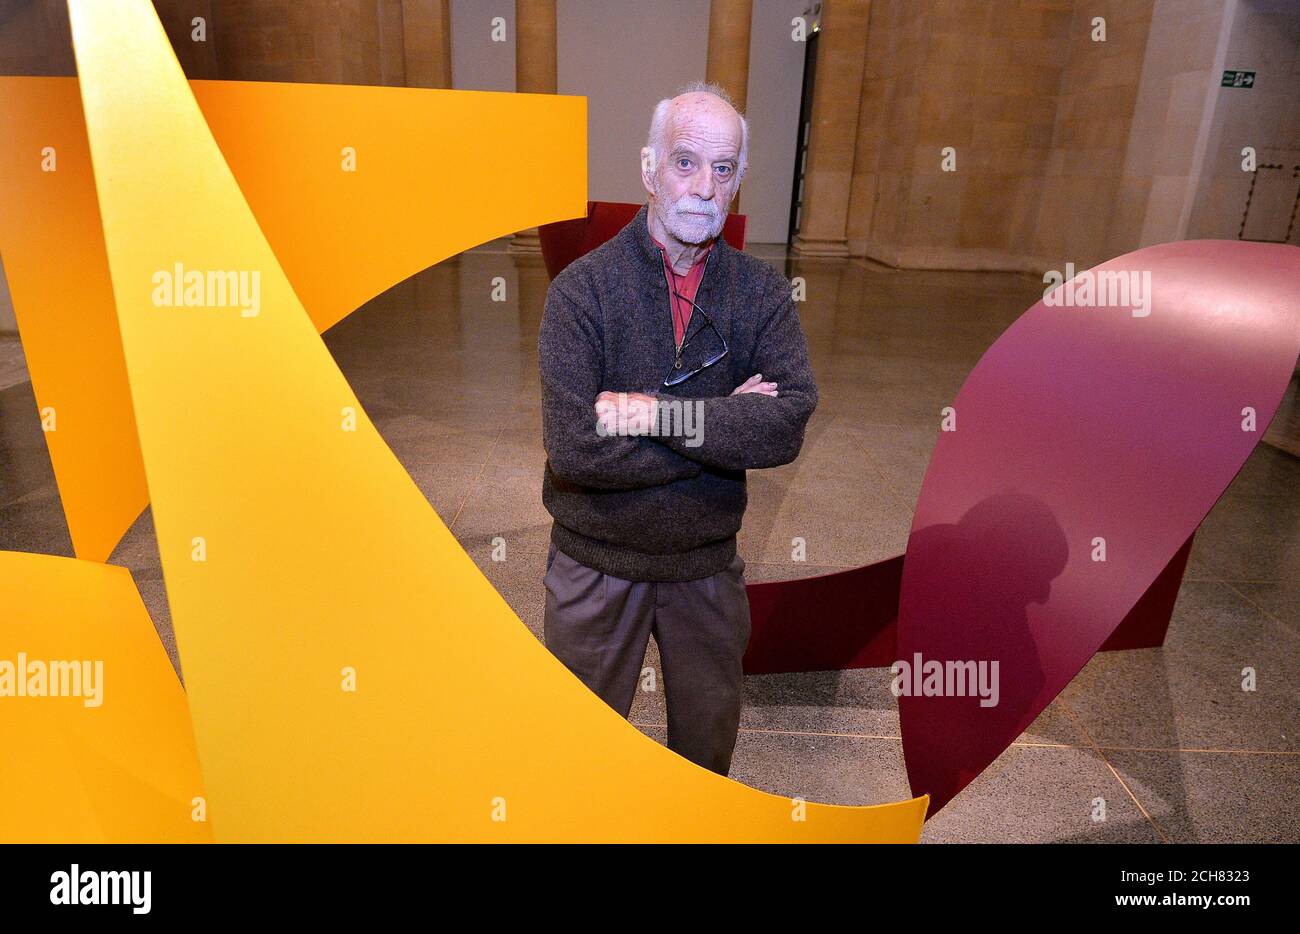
(695, 180)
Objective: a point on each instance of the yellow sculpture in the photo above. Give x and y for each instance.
(350, 673)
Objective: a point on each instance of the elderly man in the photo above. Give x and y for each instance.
(671, 363)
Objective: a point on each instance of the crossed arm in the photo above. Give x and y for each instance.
(568, 347)
(760, 424)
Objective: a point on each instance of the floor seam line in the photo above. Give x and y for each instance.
(1113, 771)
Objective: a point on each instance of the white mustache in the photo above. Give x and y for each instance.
(692, 209)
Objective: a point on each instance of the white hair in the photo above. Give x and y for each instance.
(656, 141)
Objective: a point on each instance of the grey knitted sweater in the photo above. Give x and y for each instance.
(665, 507)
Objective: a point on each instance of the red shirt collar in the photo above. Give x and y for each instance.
(663, 250)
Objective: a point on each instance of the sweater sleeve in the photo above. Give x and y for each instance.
(571, 361)
(752, 431)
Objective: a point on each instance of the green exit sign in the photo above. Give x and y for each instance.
(1238, 79)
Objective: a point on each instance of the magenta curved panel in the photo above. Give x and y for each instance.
(1080, 428)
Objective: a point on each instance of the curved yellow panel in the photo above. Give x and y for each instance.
(351, 674)
(421, 157)
(98, 746)
(53, 249)
(352, 186)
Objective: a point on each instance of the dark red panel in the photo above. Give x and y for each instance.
(1082, 423)
(826, 623)
(849, 619)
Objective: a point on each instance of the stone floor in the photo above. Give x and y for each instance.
(1165, 736)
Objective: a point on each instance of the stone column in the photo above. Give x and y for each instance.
(828, 179)
(535, 73)
(728, 62)
(426, 41)
(392, 43)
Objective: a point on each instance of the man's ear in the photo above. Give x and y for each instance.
(648, 169)
(735, 191)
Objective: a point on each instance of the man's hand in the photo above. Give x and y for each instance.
(625, 413)
(755, 384)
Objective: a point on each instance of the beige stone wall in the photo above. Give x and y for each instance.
(1069, 149)
(981, 78)
(1264, 37)
(1166, 144)
(318, 41)
(1090, 134)
(390, 42)
(885, 128)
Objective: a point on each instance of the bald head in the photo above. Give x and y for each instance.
(706, 115)
(699, 107)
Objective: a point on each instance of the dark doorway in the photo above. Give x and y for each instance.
(805, 121)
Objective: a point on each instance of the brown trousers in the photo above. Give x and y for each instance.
(599, 626)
